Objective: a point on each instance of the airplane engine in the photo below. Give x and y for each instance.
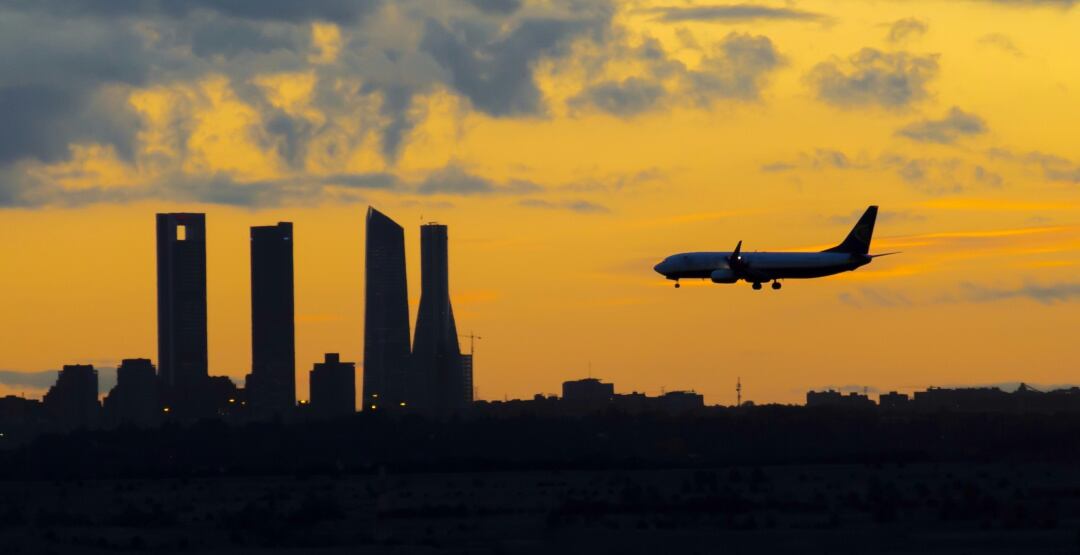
(723, 275)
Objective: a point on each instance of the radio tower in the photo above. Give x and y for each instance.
(738, 392)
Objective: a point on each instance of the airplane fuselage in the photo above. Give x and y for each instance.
(760, 266)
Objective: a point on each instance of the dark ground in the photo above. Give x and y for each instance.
(767, 480)
(910, 508)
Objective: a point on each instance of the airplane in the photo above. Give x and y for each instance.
(762, 267)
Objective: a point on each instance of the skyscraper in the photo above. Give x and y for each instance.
(438, 372)
(386, 314)
(272, 383)
(181, 277)
(73, 401)
(134, 399)
(333, 387)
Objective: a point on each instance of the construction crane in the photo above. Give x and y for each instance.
(472, 337)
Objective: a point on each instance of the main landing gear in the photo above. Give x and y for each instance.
(775, 285)
(677, 284)
(757, 286)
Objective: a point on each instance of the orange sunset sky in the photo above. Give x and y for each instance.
(569, 145)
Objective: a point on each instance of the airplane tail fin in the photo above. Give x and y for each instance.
(858, 241)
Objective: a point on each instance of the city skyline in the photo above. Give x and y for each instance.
(570, 145)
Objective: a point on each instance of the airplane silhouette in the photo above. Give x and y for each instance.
(761, 267)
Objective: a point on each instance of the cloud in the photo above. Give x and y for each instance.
(628, 97)
(454, 180)
(1049, 3)
(43, 380)
(1002, 42)
(341, 11)
(734, 68)
(580, 206)
(1047, 294)
(875, 297)
(219, 188)
(928, 175)
(903, 29)
(730, 13)
(493, 67)
(497, 6)
(870, 77)
(116, 75)
(1053, 167)
(820, 158)
(956, 124)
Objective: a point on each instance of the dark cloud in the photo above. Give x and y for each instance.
(339, 11)
(67, 68)
(731, 13)
(871, 77)
(933, 176)
(580, 206)
(736, 69)
(1046, 294)
(454, 180)
(1002, 42)
(37, 380)
(1053, 167)
(502, 7)
(987, 177)
(19, 191)
(956, 124)
(492, 67)
(929, 175)
(906, 28)
(628, 97)
(62, 82)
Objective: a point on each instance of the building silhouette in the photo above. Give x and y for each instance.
(832, 398)
(587, 395)
(72, 402)
(181, 287)
(271, 386)
(438, 381)
(134, 399)
(893, 401)
(333, 387)
(386, 314)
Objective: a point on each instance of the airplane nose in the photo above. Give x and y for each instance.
(659, 268)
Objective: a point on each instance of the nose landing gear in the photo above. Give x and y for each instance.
(776, 285)
(757, 286)
(677, 284)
